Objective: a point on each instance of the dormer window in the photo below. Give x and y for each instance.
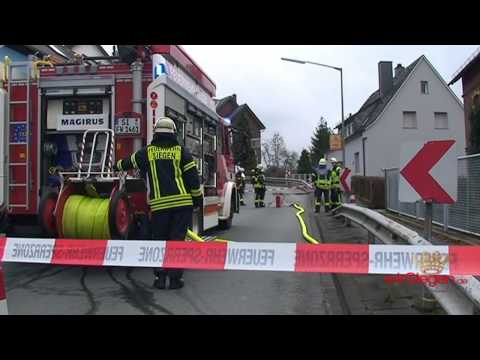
(349, 129)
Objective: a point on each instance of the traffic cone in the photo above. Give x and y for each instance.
(3, 295)
(279, 200)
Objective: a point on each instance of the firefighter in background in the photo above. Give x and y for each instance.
(174, 190)
(263, 186)
(322, 186)
(240, 182)
(258, 181)
(334, 177)
(253, 179)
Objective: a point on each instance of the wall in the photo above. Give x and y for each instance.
(385, 136)
(253, 130)
(337, 154)
(256, 138)
(352, 146)
(470, 82)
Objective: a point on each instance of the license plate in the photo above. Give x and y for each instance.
(127, 126)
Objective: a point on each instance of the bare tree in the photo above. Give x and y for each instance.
(290, 160)
(277, 157)
(274, 151)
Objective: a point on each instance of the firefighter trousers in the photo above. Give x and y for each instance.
(241, 191)
(322, 197)
(260, 197)
(335, 197)
(171, 224)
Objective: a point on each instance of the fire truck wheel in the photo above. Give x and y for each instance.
(120, 216)
(227, 224)
(46, 207)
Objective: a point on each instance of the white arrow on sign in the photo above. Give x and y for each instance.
(345, 180)
(428, 172)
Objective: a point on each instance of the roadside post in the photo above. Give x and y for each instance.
(428, 173)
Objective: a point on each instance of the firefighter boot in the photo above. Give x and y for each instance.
(176, 279)
(176, 283)
(317, 208)
(160, 280)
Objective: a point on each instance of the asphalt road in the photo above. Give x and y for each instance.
(48, 289)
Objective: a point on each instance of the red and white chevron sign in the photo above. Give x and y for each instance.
(345, 180)
(428, 172)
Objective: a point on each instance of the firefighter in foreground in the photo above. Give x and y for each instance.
(334, 177)
(258, 181)
(322, 186)
(240, 182)
(174, 190)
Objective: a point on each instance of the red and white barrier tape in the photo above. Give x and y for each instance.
(322, 258)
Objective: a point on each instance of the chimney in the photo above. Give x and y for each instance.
(385, 77)
(399, 70)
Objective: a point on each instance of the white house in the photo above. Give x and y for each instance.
(413, 105)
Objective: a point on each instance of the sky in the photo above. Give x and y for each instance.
(290, 98)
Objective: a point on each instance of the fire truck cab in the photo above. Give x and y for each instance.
(67, 124)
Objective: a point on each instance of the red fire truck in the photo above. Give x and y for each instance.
(67, 124)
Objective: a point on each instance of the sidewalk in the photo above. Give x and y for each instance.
(364, 294)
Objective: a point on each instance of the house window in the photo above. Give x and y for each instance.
(349, 130)
(357, 162)
(441, 120)
(424, 87)
(476, 101)
(255, 143)
(409, 120)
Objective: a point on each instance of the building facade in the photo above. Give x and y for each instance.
(470, 75)
(243, 118)
(412, 104)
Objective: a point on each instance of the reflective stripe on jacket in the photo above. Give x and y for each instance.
(259, 182)
(172, 176)
(335, 177)
(322, 182)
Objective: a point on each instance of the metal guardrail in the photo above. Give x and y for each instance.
(285, 182)
(461, 299)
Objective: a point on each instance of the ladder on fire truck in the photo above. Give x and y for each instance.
(18, 133)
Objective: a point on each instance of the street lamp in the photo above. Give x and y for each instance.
(341, 89)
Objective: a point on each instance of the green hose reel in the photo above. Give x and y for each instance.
(86, 218)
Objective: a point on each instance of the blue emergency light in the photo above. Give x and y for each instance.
(159, 70)
(159, 66)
